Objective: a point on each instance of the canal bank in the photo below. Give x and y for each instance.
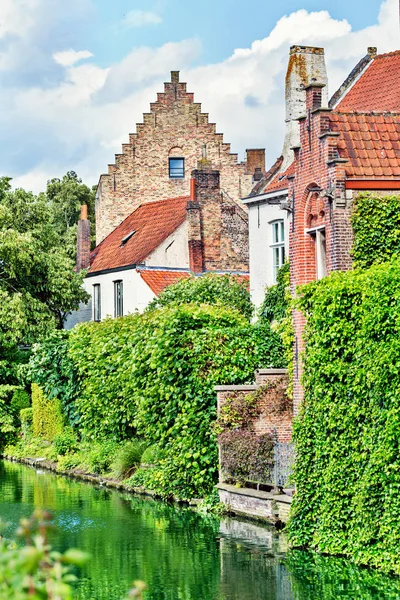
(177, 551)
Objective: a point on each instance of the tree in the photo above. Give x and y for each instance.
(65, 197)
(38, 284)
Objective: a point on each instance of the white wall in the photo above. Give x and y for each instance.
(260, 239)
(172, 252)
(137, 293)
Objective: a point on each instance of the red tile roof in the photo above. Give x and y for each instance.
(157, 280)
(378, 87)
(370, 142)
(152, 223)
(280, 181)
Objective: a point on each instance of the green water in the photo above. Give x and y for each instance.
(179, 553)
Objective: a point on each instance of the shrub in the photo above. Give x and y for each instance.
(65, 442)
(8, 428)
(276, 301)
(48, 419)
(101, 455)
(26, 418)
(53, 370)
(347, 468)
(128, 458)
(229, 291)
(152, 455)
(246, 456)
(20, 399)
(376, 226)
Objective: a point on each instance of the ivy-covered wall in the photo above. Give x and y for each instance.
(347, 470)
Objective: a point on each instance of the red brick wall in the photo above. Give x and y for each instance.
(319, 200)
(276, 410)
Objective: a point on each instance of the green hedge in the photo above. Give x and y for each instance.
(348, 435)
(154, 375)
(47, 415)
(376, 226)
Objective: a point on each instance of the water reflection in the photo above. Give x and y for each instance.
(179, 553)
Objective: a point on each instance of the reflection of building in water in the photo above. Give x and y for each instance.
(251, 552)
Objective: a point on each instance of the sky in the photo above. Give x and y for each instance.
(76, 76)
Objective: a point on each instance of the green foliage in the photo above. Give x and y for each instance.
(53, 370)
(20, 399)
(152, 455)
(155, 374)
(347, 470)
(35, 570)
(65, 442)
(48, 420)
(128, 458)
(99, 456)
(65, 197)
(376, 225)
(275, 303)
(8, 424)
(228, 291)
(26, 419)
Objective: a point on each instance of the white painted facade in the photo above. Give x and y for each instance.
(136, 293)
(264, 212)
(172, 252)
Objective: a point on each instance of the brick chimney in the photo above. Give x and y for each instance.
(194, 234)
(255, 160)
(83, 241)
(306, 66)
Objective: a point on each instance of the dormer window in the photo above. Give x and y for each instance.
(176, 168)
(127, 237)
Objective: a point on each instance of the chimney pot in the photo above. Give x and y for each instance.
(174, 76)
(372, 50)
(84, 211)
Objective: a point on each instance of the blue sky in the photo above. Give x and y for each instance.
(221, 25)
(76, 76)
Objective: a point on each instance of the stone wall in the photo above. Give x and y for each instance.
(174, 127)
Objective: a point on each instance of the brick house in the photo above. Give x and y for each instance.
(157, 161)
(346, 146)
(268, 222)
(160, 243)
(179, 227)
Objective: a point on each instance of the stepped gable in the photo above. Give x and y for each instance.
(139, 234)
(174, 127)
(377, 89)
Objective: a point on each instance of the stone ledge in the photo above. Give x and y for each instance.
(254, 493)
(271, 371)
(236, 388)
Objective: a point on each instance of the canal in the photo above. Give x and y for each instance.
(180, 554)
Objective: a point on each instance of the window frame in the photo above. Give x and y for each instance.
(318, 235)
(181, 171)
(118, 298)
(96, 302)
(278, 245)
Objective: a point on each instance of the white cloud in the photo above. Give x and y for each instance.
(67, 58)
(141, 18)
(17, 16)
(80, 122)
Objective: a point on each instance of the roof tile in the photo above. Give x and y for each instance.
(151, 223)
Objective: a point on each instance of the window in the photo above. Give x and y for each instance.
(118, 298)
(278, 245)
(320, 253)
(319, 238)
(96, 302)
(176, 168)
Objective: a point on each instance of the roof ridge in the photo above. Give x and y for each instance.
(374, 113)
(386, 54)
